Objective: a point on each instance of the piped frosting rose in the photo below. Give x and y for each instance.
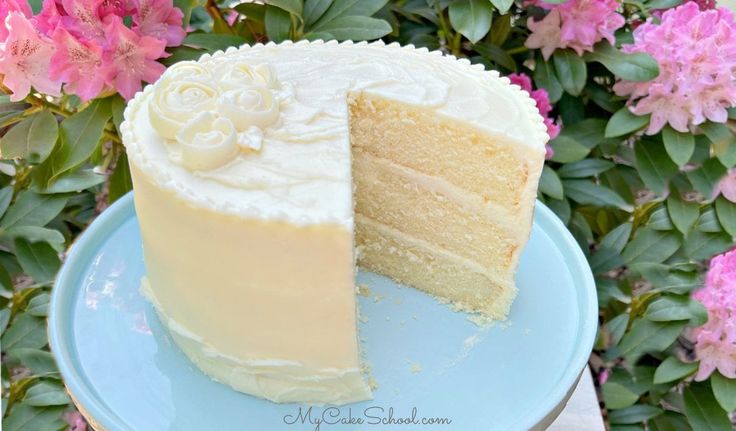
(249, 106)
(242, 74)
(176, 101)
(190, 70)
(207, 142)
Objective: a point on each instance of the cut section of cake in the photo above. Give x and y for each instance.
(263, 174)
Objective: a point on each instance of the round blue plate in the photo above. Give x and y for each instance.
(430, 363)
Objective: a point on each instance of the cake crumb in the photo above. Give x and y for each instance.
(481, 320)
(414, 317)
(527, 331)
(363, 319)
(414, 367)
(402, 323)
(398, 301)
(364, 290)
(388, 318)
(506, 324)
(372, 383)
(377, 298)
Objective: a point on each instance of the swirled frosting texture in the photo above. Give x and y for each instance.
(273, 120)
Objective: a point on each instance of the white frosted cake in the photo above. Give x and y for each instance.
(263, 174)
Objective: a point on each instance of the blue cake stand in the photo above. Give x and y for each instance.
(434, 368)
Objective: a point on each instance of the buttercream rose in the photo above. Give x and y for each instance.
(249, 106)
(190, 70)
(207, 142)
(241, 75)
(176, 101)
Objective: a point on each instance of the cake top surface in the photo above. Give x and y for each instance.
(262, 131)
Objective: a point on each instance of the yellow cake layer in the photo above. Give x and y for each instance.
(427, 267)
(491, 166)
(435, 211)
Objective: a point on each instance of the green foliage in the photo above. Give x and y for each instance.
(643, 208)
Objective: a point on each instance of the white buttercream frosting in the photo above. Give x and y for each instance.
(288, 105)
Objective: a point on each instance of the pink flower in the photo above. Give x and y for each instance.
(24, 59)
(544, 106)
(132, 58)
(576, 24)
(79, 64)
(715, 342)
(76, 421)
(727, 186)
(696, 52)
(7, 6)
(159, 19)
(49, 18)
(603, 376)
(83, 19)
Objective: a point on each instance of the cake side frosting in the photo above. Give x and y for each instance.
(293, 160)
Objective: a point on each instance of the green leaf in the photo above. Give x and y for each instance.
(587, 192)
(550, 183)
(651, 245)
(703, 245)
(584, 168)
(39, 259)
(46, 393)
(319, 35)
(724, 389)
(724, 142)
(617, 396)
(672, 369)
(501, 29)
(623, 122)
(24, 417)
(659, 219)
(634, 414)
(212, 42)
(655, 168)
(40, 362)
(74, 181)
(702, 409)
(545, 77)
(357, 28)
(26, 331)
(291, 6)
(278, 24)
(647, 336)
(496, 54)
(33, 209)
(707, 176)
(80, 134)
(617, 327)
(343, 8)
(6, 195)
(120, 181)
(708, 221)
(31, 139)
(472, 18)
(39, 305)
(561, 208)
(669, 421)
(503, 6)
(726, 211)
(602, 97)
(669, 308)
(571, 71)
(683, 214)
(186, 6)
(314, 9)
(34, 234)
(617, 238)
(637, 66)
(567, 150)
(663, 4)
(679, 146)
(253, 11)
(117, 107)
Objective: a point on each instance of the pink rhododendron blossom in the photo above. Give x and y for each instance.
(696, 52)
(727, 186)
(159, 19)
(83, 19)
(7, 6)
(576, 24)
(48, 19)
(24, 60)
(79, 64)
(76, 421)
(544, 106)
(132, 58)
(715, 342)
